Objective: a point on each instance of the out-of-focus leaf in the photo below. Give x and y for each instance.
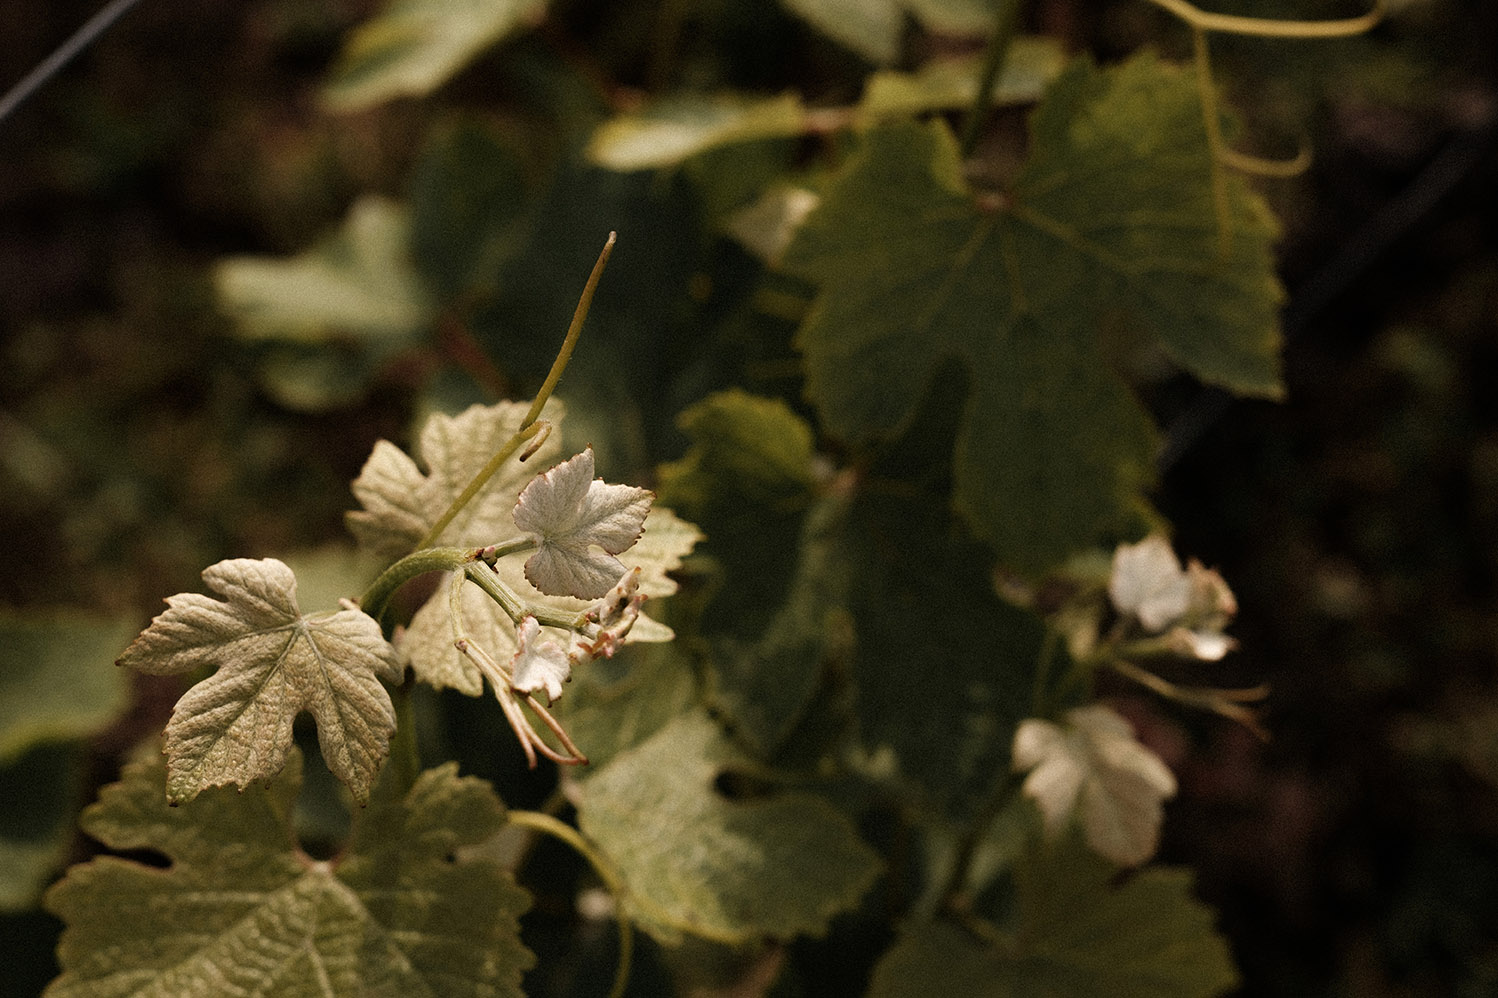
(743, 448)
(1032, 63)
(615, 704)
(40, 790)
(358, 283)
(1075, 935)
(1112, 217)
(871, 28)
(668, 132)
(57, 678)
(412, 47)
(696, 861)
(467, 192)
(272, 663)
(240, 905)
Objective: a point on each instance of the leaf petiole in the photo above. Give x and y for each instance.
(993, 66)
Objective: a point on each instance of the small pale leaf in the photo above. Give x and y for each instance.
(667, 133)
(570, 513)
(272, 663)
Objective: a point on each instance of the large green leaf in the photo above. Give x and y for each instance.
(271, 662)
(1076, 936)
(412, 47)
(696, 861)
(1112, 218)
(241, 909)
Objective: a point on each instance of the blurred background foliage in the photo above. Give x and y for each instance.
(142, 436)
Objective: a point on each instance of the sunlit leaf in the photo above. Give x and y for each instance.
(942, 84)
(358, 283)
(570, 513)
(668, 132)
(412, 47)
(272, 663)
(241, 908)
(696, 861)
(1111, 219)
(1093, 768)
(401, 503)
(871, 28)
(1075, 935)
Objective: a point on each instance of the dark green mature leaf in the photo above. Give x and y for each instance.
(744, 448)
(695, 861)
(241, 908)
(467, 194)
(41, 790)
(1076, 937)
(272, 662)
(412, 47)
(1111, 218)
(944, 669)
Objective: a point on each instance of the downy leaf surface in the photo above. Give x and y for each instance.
(1111, 220)
(272, 662)
(695, 861)
(1076, 936)
(240, 909)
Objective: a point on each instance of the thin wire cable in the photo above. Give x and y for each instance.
(62, 55)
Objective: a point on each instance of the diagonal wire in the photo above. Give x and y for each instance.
(62, 55)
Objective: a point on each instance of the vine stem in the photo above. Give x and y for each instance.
(1259, 27)
(528, 426)
(377, 596)
(538, 821)
(994, 57)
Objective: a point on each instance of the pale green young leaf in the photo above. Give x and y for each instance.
(943, 84)
(974, 18)
(56, 678)
(428, 642)
(579, 524)
(673, 130)
(412, 47)
(358, 282)
(696, 861)
(240, 907)
(402, 503)
(272, 662)
(1075, 935)
(1111, 218)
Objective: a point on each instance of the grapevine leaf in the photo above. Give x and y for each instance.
(1148, 582)
(428, 642)
(412, 47)
(615, 704)
(955, 17)
(540, 664)
(695, 861)
(1112, 216)
(393, 916)
(778, 618)
(871, 28)
(272, 663)
(36, 825)
(942, 84)
(569, 513)
(753, 448)
(1076, 936)
(358, 282)
(55, 680)
(401, 504)
(1094, 766)
(668, 132)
